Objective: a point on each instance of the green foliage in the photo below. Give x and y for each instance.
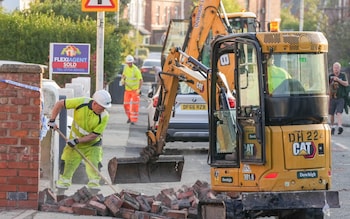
(311, 15)
(338, 36)
(315, 19)
(232, 6)
(26, 36)
(288, 21)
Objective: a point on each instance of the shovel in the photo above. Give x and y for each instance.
(88, 162)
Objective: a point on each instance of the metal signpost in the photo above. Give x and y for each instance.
(100, 6)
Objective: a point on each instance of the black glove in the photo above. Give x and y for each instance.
(73, 142)
(52, 124)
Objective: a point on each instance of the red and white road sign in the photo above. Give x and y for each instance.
(99, 5)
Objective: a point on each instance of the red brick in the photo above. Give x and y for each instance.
(176, 214)
(3, 165)
(8, 172)
(30, 109)
(19, 133)
(61, 197)
(29, 188)
(49, 207)
(3, 180)
(144, 206)
(20, 101)
(28, 173)
(65, 209)
(19, 117)
(17, 180)
(194, 200)
(8, 157)
(9, 109)
(127, 213)
(83, 209)
(3, 117)
(3, 195)
(18, 149)
(28, 204)
(47, 196)
(8, 204)
(33, 196)
(69, 201)
(19, 165)
(29, 157)
(9, 125)
(186, 194)
(30, 141)
(33, 165)
(101, 208)
(130, 202)
(156, 206)
(113, 203)
(8, 188)
(8, 140)
(167, 199)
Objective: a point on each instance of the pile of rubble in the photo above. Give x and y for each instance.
(130, 204)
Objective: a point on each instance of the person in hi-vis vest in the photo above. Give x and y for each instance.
(132, 80)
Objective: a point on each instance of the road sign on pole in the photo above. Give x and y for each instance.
(99, 5)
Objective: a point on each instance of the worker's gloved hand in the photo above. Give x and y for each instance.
(138, 91)
(52, 124)
(73, 142)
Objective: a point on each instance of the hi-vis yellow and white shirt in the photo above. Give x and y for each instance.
(132, 77)
(85, 120)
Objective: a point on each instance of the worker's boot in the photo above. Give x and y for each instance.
(60, 191)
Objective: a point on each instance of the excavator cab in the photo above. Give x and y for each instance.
(274, 148)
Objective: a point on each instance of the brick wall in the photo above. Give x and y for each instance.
(20, 114)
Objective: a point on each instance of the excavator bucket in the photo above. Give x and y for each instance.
(168, 168)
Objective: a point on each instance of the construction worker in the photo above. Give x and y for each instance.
(132, 80)
(89, 122)
(276, 75)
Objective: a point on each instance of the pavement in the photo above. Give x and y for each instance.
(116, 142)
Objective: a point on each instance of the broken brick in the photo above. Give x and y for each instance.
(65, 209)
(68, 202)
(130, 202)
(113, 203)
(83, 209)
(177, 214)
(156, 206)
(101, 208)
(49, 207)
(127, 213)
(144, 205)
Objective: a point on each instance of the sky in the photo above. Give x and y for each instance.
(10, 5)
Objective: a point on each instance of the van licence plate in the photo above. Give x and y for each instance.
(193, 106)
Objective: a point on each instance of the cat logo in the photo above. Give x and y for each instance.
(306, 149)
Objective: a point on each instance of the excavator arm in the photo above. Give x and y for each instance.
(208, 21)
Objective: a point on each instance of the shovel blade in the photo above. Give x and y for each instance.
(133, 170)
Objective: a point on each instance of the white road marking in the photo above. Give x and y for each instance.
(341, 145)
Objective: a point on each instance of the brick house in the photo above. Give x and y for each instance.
(151, 17)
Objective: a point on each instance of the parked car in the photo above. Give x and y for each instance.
(189, 120)
(148, 73)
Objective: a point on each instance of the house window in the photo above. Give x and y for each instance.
(165, 15)
(176, 12)
(158, 15)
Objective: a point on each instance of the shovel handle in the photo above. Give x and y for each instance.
(87, 161)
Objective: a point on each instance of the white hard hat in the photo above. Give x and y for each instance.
(129, 59)
(103, 98)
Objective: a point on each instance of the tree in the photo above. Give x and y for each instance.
(25, 36)
(290, 16)
(232, 6)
